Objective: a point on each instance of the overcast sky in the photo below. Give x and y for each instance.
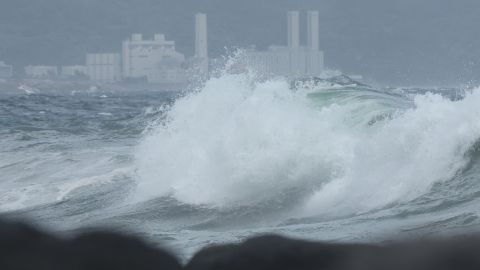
(389, 42)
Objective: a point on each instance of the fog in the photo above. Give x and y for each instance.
(389, 42)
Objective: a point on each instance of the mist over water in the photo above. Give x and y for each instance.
(241, 156)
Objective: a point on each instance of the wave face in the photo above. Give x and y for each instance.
(332, 150)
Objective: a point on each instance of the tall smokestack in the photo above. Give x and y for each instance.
(201, 49)
(293, 30)
(312, 30)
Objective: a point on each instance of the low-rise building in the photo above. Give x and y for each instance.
(282, 61)
(39, 72)
(291, 60)
(5, 70)
(104, 67)
(73, 70)
(155, 59)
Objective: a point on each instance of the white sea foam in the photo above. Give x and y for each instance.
(94, 181)
(153, 110)
(27, 89)
(405, 157)
(239, 142)
(36, 178)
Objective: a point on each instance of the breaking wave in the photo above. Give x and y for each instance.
(335, 147)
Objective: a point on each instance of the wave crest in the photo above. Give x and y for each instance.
(240, 142)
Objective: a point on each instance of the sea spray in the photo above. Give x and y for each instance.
(234, 143)
(403, 163)
(238, 142)
(405, 158)
(345, 149)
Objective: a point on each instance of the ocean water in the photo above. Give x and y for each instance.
(239, 157)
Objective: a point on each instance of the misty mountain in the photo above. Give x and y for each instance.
(396, 42)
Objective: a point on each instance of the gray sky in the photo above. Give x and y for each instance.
(389, 42)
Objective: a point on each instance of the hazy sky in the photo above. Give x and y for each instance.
(389, 42)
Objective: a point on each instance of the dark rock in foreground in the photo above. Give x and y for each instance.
(22, 247)
(274, 252)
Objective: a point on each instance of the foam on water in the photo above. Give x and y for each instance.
(242, 157)
(31, 178)
(239, 142)
(403, 159)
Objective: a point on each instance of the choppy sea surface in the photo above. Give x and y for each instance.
(238, 157)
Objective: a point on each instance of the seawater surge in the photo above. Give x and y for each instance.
(240, 155)
(341, 149)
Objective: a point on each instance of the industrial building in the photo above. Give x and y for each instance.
(291, 60)
(39, 72)
(5, 70)
(73, 70)
(199, 63)
(155, 59)
(104, 67)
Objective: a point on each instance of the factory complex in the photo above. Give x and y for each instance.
(292, 60)
(156, 60)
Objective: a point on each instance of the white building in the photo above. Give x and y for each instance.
(104, 67)
(155, 59)
(199, 63)
(5, 70)
(292, 60)
(41, 71)
(72, 70)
